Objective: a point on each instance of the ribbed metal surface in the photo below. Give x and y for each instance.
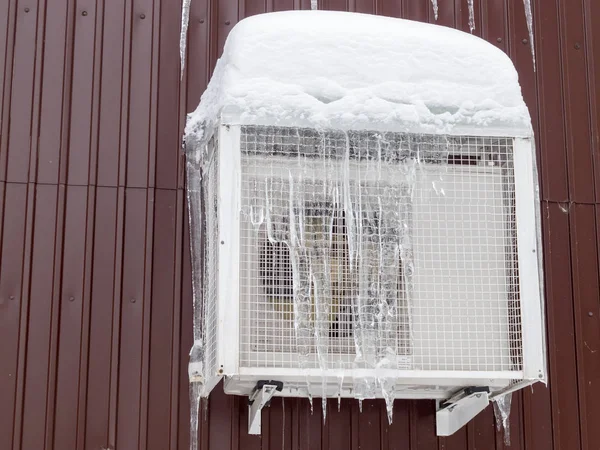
(95, 290)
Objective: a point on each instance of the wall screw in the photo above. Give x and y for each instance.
(222, 242)
(227, 22)
(71, 299)
(577, 45)
(12, 297)
(201, 21)
(524, 41)
(142, 16)
(132, 300)
(499, 40)
(591, 314)
(26, 10)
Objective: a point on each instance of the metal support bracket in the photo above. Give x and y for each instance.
(454, 413)
(260, 397)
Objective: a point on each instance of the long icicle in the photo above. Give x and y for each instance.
(185, 19)
(529, 18)
(434, 3)
(471, 15)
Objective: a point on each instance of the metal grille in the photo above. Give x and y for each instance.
(211, 256)
(377, 249)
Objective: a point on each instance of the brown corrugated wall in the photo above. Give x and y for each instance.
(95, 294)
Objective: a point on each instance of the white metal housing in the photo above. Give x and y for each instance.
(450, 220)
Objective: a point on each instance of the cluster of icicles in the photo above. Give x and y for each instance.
(379, 249)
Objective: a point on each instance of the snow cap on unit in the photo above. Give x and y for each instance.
(327, 69)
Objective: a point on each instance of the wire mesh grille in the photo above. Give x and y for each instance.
(210, 188)
(377, 250)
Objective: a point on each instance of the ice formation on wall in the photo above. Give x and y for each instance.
(529, 17)
(434, 3)
(502, 406)
(471, 15)
(185, 19)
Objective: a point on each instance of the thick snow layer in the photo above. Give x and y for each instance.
(353, 71)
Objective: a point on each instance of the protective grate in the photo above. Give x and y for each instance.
(210, 184)
(377, 250)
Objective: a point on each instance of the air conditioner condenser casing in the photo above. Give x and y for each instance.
(467, 300)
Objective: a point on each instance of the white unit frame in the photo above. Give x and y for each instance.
(442, 383)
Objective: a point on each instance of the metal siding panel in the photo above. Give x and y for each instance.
(481, 431)
(169, 120)
(422, 425)
(369, 424)
(391, 8)
(418, 10)
(21, 96)
(6, 23)
(133, 301)
(41, 308)
(337, 431)
(7, 37)
(337, 5)
(458, 441)
(494, 23)
(72, 297)
(140, 104)
(185, 344)
(227, 16)
(14, 208)
(592, 39)
(221, 416)
(82, 89)
(584, 257)
(552, 132)
(56, 78)
(162, 319)
(561, 328)
(365, 6)
(397, 434)
(199, 62)
(280, 5)
(111, 72)
(537, 417)
(96, 423)
(576, 102)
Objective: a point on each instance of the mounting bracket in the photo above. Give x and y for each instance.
(260, 397)
(454, 413)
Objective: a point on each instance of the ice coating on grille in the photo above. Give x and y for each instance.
(379, 251)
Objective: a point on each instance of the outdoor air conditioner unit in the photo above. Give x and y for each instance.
(364, 217)
(369, 264)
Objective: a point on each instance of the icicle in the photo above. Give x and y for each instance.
(387, 390)
(195, 389)
(434, 3)
(360, 405)
(185, 19)
(502, 412)
(471, 15)
(283, 423)
(529, 18)
(324, 407)
(314, 5)
(339, 402)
